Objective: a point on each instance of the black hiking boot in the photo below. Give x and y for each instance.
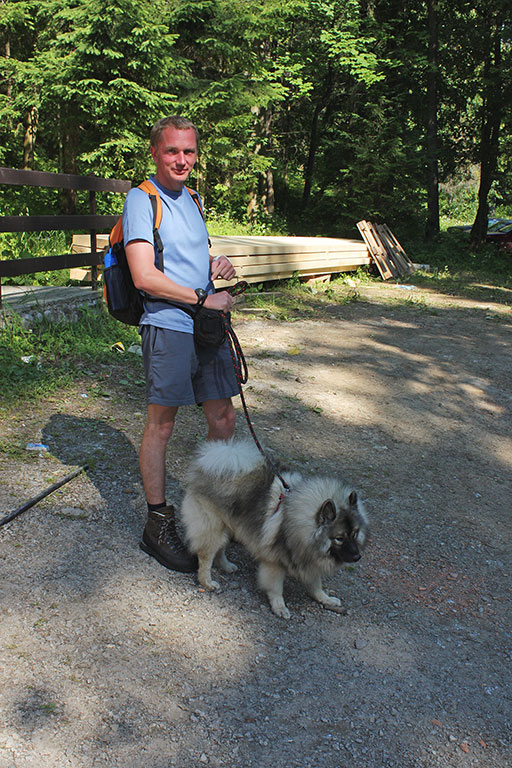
(160, 540)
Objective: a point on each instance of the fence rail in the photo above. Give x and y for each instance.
(16, 177)
(91, 221)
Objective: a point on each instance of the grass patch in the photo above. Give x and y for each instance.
(458, 270)
(50, 356)
(22, 245)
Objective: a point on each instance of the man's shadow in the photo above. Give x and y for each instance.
(112, 462)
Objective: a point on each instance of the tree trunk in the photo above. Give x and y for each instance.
(254, 193)
(490, 131)
(8, 86)
(269, 197)
(30, 139)
(321, 104)
(310, 163)
(8, 91)
(432, 225)
(69, 163)
(261, 195)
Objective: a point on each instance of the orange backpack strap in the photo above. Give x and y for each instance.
(152, 191)
(116, 235)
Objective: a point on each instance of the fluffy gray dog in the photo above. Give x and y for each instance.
(231, 492)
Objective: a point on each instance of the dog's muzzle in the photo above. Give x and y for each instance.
(348, 552)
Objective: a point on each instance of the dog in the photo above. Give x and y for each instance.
(309, 531)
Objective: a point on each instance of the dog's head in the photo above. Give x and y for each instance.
(344, 524)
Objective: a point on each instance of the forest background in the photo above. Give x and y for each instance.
(313, 114)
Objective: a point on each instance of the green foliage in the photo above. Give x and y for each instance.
(14, 245)
(53, 351)
(458, 196)
(314, 109)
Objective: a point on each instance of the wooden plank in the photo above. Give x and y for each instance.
(298, 259)
(18, 177)
(275, 258)
(45, 223)
(397, 245)
(265, 245)
(82, 243)
(379, 254)
(394, 255)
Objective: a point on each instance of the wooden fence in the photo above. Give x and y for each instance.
(90, 221)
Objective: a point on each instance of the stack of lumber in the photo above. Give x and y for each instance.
(259, 259)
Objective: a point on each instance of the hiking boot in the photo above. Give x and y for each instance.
(160, 540)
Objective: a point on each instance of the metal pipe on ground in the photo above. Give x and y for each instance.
(46, 492)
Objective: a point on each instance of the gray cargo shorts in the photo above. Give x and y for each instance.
(179, 373)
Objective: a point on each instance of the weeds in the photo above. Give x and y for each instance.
(21, 245)
(49, 356)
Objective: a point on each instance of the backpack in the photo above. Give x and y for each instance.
(124, 301)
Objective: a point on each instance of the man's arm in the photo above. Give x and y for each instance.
(146, 277)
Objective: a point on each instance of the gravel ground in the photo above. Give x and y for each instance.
(110, 661)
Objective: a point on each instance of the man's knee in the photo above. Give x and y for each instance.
(221, 419)
(160, 422)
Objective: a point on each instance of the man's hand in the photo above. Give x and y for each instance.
(221, 300)
(222, 267)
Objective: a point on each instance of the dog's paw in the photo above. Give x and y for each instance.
(280, 609)
(224, 564)
(331, 602)
(210, 584)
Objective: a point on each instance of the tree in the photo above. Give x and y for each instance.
(494, 67)
(432, 227)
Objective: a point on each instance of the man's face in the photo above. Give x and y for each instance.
(174, 156)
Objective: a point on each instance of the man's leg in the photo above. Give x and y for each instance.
(160, 538)
(158, 430)
(220, 416)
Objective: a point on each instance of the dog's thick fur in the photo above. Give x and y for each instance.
(231, 492)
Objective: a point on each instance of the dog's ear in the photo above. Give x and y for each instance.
(352, 499)
(326, 513)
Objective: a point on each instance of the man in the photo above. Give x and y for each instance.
(176, 372)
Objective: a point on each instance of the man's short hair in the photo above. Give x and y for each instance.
(176, 121)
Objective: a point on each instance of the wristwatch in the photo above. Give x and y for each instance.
(201, 296)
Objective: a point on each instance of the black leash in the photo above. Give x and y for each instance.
(242, 375)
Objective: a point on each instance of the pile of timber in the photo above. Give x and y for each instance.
(260, 259)
(386, 251)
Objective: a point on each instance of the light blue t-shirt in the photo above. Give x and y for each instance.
(185, 240)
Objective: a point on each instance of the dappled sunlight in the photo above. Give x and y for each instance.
(499, 447)
(396, 373)
(170, 627)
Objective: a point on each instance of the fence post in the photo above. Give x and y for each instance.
(94, 267)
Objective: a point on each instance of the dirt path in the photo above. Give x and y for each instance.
(109, 661)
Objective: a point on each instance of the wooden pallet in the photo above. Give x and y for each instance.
(388, 254)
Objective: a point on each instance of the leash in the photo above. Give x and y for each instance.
(242, 375)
